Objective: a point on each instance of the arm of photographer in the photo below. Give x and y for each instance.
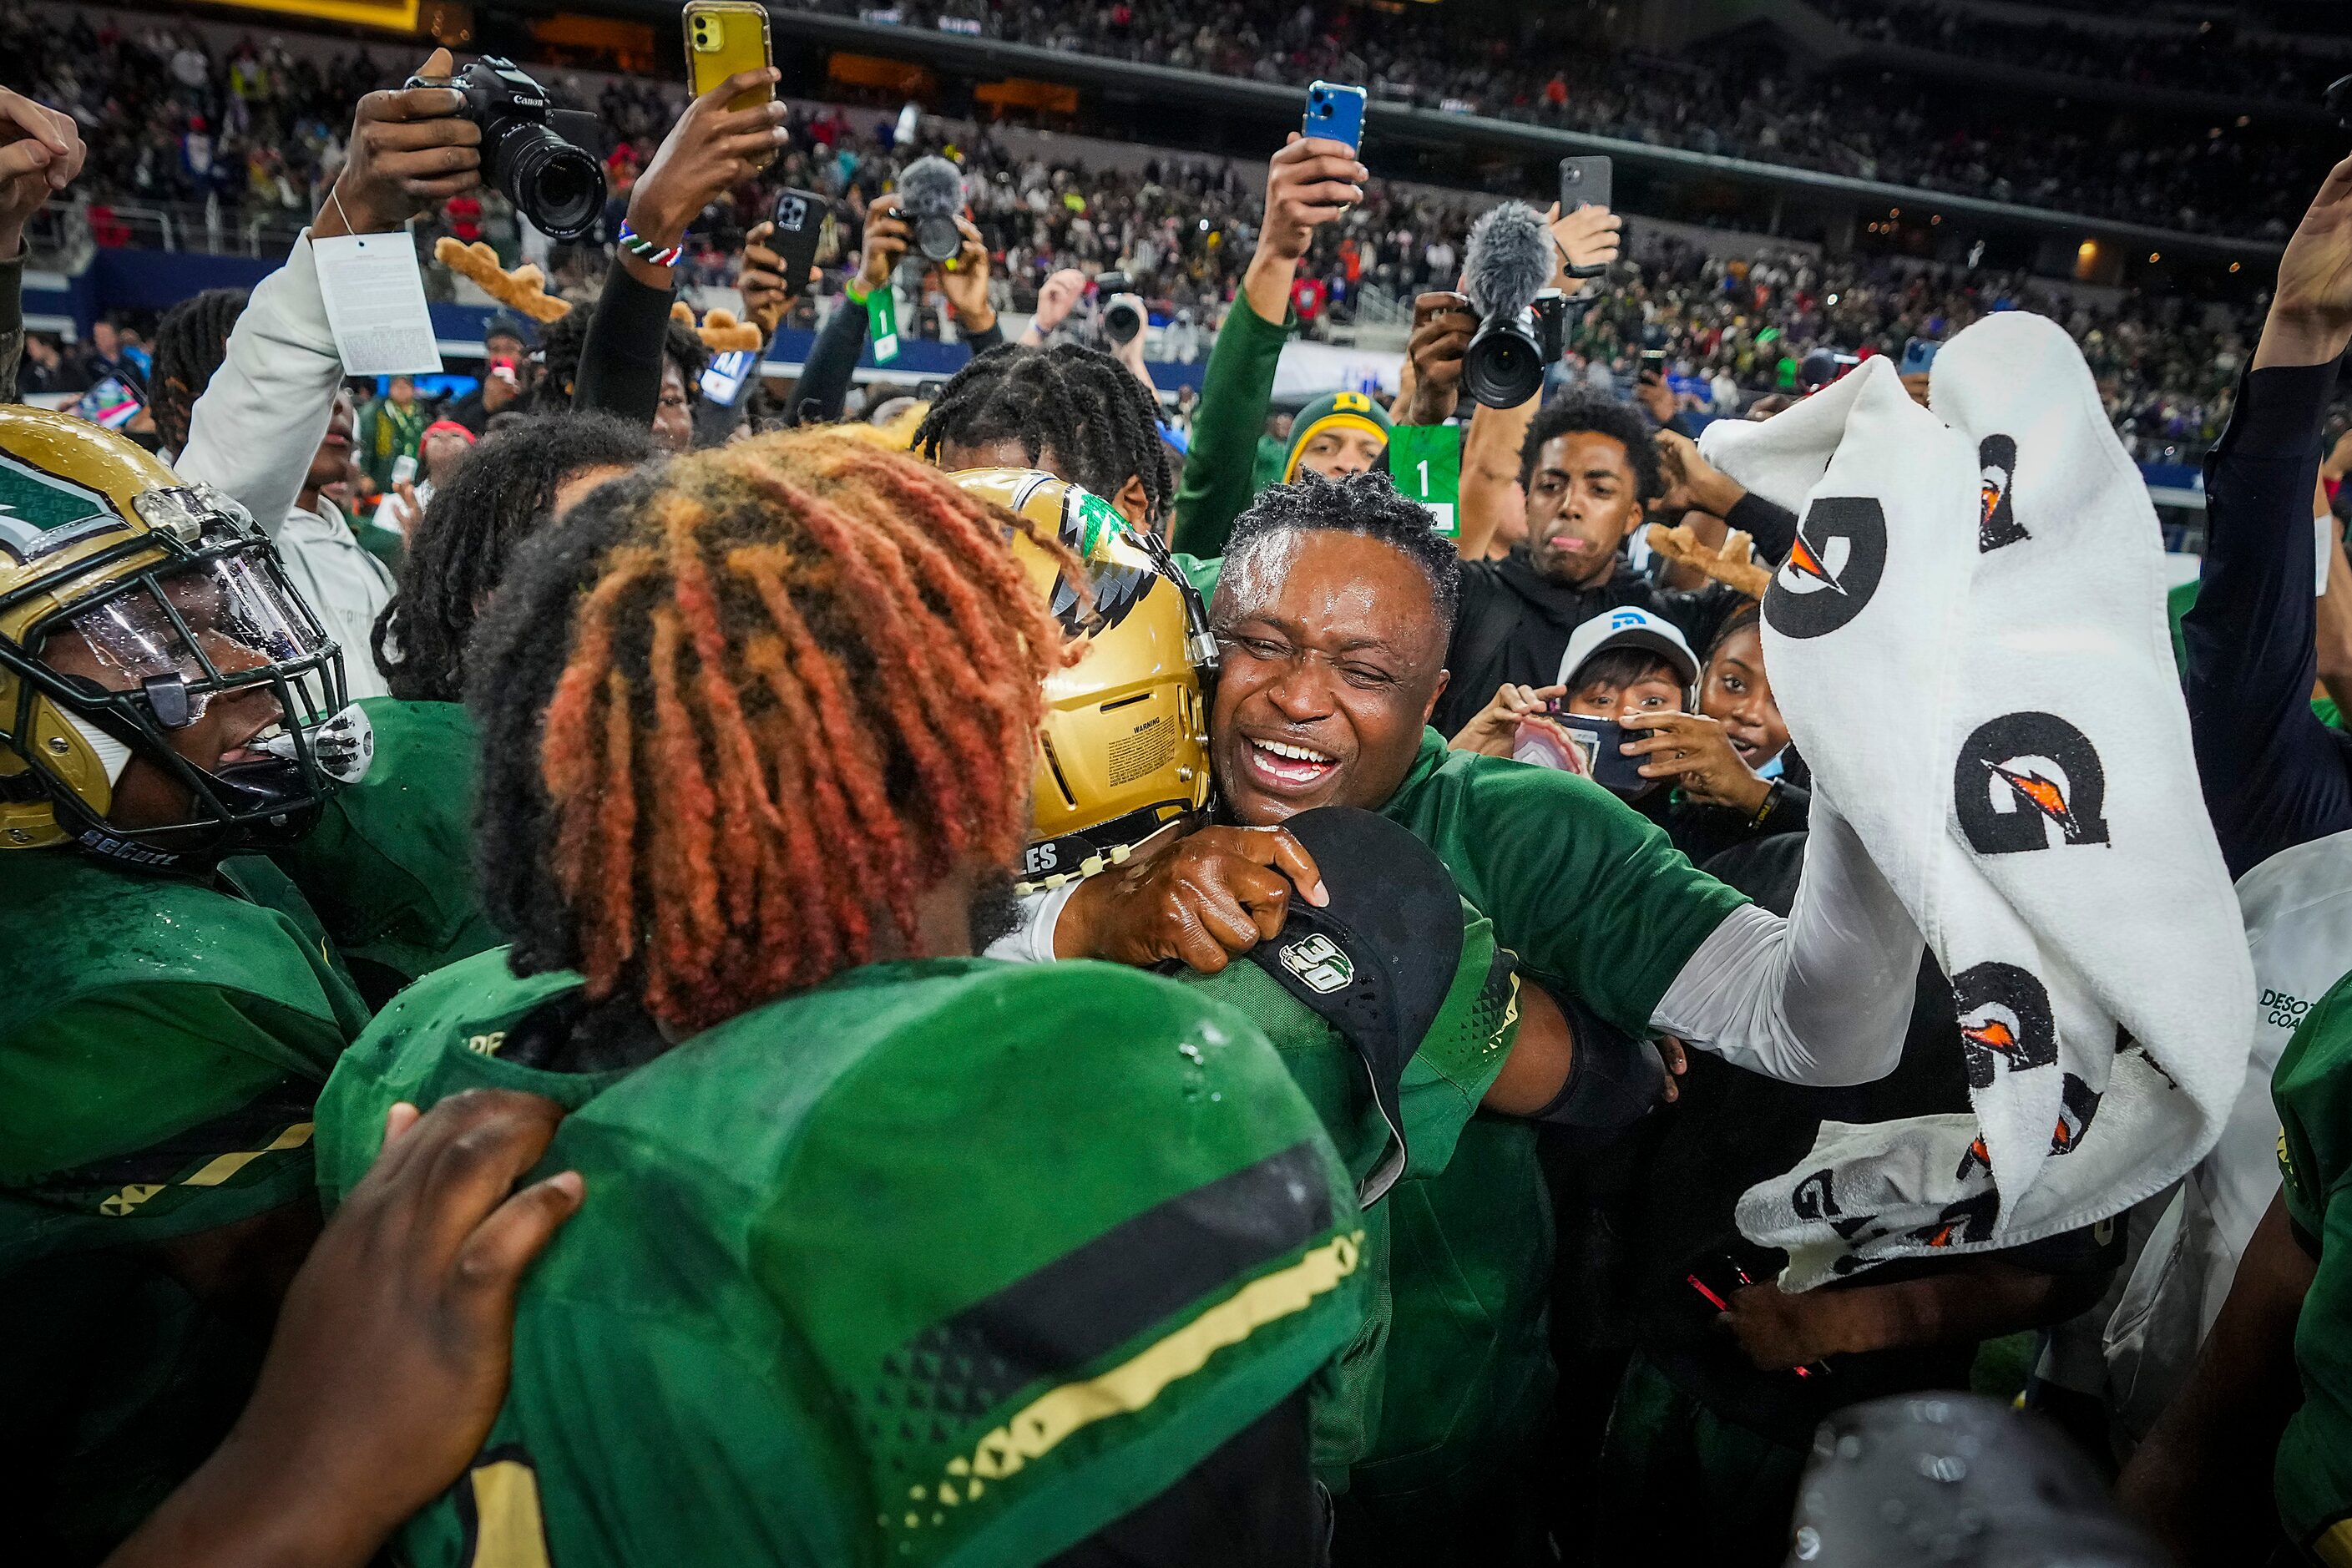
(709, 150)
(40, 152)
(825, 379)
(2275, 776)
(1308, 184)
(257, 426)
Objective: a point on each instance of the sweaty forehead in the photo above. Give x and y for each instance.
(1585, 452)
(1334, 586)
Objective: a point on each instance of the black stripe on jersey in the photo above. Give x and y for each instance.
(250, 1126)
(1125, 1281)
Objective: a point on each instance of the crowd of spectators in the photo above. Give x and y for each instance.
(1180, 229)
(1721, 97)
(1730, 330)
(665, 748)
(250, 133)
(2211, 60)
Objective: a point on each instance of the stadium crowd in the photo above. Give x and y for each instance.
(2188, 60)
(638, 967)
(1718, 97)
(1181, 229)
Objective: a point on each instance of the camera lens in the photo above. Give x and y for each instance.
(1121, 322)
(559, 187)
(938, 238)
(1503, 367)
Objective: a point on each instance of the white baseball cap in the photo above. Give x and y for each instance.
(1628, 628)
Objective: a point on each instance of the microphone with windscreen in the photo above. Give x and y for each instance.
(931, 198)
(1523, 322)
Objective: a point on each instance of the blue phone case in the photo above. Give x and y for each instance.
(1335, 112)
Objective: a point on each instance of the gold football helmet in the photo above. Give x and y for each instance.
(1124, 751)
(129, 601)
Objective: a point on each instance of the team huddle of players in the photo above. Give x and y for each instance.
(889, 1253)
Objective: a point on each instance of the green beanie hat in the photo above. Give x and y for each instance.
(1333, 410)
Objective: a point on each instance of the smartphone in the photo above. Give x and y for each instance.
(1335, 112)
(726, 377)
(722, 38)
(1598, 740)
(1712, 1283)
(799, 217)
(111, 403)
(404, 469)
(1918, 356)
(1584, 183)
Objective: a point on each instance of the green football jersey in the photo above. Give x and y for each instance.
(390, 866)
(2312, 1090)
(883, 1272)
(1597, 903)
(161, 1043)
(1455, 1064)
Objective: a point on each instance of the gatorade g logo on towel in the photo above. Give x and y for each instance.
(1997, 523)
(1831, 570)
(1975, 1157)
(1815, 1199)
(2005, 1017)
(2078, 1102)
(2021, 776)
(1969, 1219)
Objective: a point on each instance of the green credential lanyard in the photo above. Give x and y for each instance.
(1425, 460)
(882, 324)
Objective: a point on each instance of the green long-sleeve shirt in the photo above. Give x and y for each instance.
(1220, 473)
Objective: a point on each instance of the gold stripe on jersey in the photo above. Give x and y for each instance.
(212, 1172)
(1134, 1384)
(509, 1531)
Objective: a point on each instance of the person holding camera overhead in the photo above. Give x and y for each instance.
(964, 277)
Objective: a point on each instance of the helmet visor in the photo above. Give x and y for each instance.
(220, 623)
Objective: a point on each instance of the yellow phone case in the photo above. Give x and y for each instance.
(723, 37)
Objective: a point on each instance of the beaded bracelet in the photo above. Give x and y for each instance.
(643, 249)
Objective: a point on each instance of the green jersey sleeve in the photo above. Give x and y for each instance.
(2312, 1088)
(155, 1111)
(388, 866)
(161, 1043)
(1581, 886)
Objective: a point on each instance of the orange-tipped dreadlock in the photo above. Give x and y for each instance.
(802, 678)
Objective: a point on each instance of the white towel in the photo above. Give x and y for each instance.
(1970, 645)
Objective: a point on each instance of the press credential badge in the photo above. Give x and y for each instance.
(375, 304)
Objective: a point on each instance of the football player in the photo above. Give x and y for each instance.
(167, 703)
(877, 1264)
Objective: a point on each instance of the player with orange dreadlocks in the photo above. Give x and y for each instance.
(874, 1267)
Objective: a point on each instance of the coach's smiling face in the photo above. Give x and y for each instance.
(1334, 655)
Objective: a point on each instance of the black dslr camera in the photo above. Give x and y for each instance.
(533, 152)
(1504, 363)
(1120, 319)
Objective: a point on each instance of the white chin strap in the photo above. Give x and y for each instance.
(113, 754)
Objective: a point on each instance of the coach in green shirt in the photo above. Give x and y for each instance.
(1333, 608)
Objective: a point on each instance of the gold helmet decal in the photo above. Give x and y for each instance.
(128, 602)
(1124, 748)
